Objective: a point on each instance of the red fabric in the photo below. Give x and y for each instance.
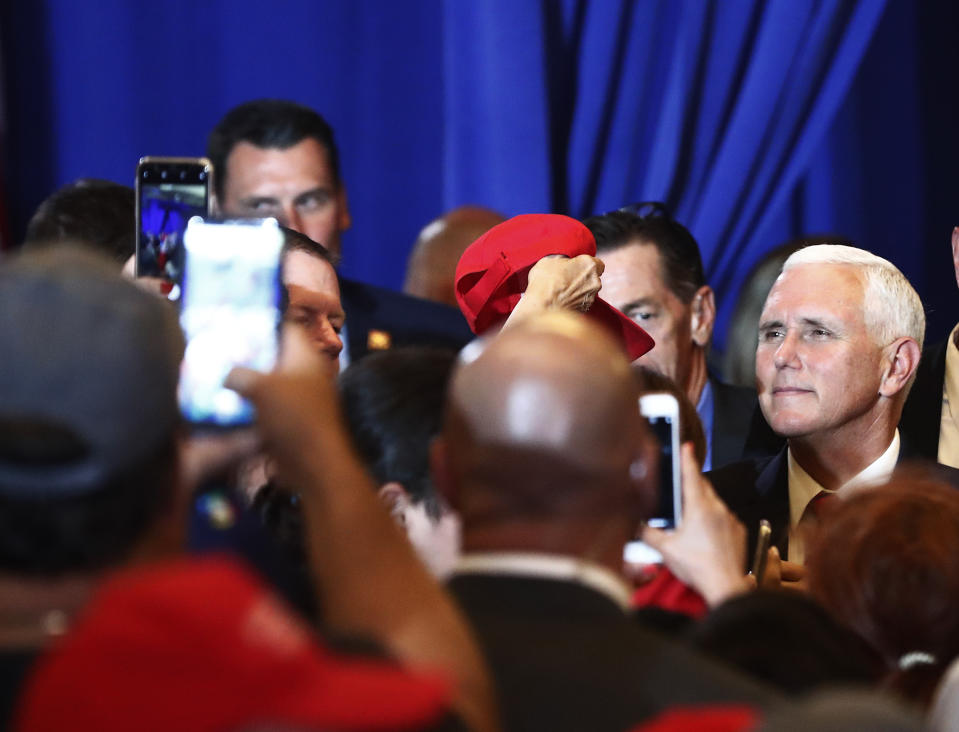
(703, 719)
(492, 274)
(665, 591)
(823, 504)
(202, 646)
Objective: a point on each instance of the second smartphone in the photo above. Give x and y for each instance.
(661, 411)
(169, 192)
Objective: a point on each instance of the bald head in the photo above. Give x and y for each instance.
(545, 419)
(431, 269)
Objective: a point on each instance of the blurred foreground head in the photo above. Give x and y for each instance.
(98, 214)
(542, 428)
(884, 563)
(88, 412)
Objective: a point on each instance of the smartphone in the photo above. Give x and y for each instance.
(229, 312)
(169, 192)
(661, 411)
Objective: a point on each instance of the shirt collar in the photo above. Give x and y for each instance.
(803, 487)
(549, 566)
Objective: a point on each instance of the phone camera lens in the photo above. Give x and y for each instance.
(182, 175)
(163, 174)
(146, 175)
(202, 175)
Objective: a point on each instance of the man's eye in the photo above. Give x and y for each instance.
(819, 333)
(642, 315)
(299, 318)
(260, 206)
(313, 201)
(771, 335)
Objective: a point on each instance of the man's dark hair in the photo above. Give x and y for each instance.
(268, 123)
(678, 250)
(50, 536)
(98, 214)
(294, 241)
(393, 402)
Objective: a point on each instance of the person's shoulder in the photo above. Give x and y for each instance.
(371, 296)
(378, 318)
(703, 676)
(742, 473)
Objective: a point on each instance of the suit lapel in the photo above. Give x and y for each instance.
(772, 503)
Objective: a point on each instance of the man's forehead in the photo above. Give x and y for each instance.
(254, 170)
(634, 270)
(824, 288)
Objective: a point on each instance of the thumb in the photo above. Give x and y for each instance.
(242, 380)
(654, 537)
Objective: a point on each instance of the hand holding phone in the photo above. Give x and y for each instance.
(708, 550)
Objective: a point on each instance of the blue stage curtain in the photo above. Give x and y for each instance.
(718, 108)
(715, 108)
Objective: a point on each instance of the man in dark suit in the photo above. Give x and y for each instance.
(654, 274)
(930, 419)
(550, 466)
(277, 158)
(839, 341)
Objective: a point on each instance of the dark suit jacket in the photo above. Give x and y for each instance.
(759, 489)
(405, 320)
(739, 429)
(922, 413)
(565, 657)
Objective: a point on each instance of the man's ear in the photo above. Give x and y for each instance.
(396, 499)
(901, 360)
(441, 474)
(343, 219)
(703, 316)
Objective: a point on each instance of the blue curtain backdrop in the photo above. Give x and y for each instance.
(755, 121)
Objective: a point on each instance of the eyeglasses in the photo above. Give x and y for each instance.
(646, 210)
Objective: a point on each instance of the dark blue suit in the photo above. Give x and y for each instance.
(377, 318)
(759, 489)
(922, 414)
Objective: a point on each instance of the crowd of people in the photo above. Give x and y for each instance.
(426, 526)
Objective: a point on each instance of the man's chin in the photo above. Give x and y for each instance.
(789, 425)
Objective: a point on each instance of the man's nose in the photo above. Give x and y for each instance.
(327, 340)
(787, 354)
(291, 218)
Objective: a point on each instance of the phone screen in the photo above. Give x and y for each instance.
(230, 314)
(170, 194)
(665, 515)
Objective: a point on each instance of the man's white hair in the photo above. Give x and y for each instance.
(892, 307)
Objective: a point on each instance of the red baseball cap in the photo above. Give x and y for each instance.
(202, 646)
(492, 274)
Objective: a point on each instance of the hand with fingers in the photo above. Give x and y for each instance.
(557, 282)
(707, 550)
(781, 574)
